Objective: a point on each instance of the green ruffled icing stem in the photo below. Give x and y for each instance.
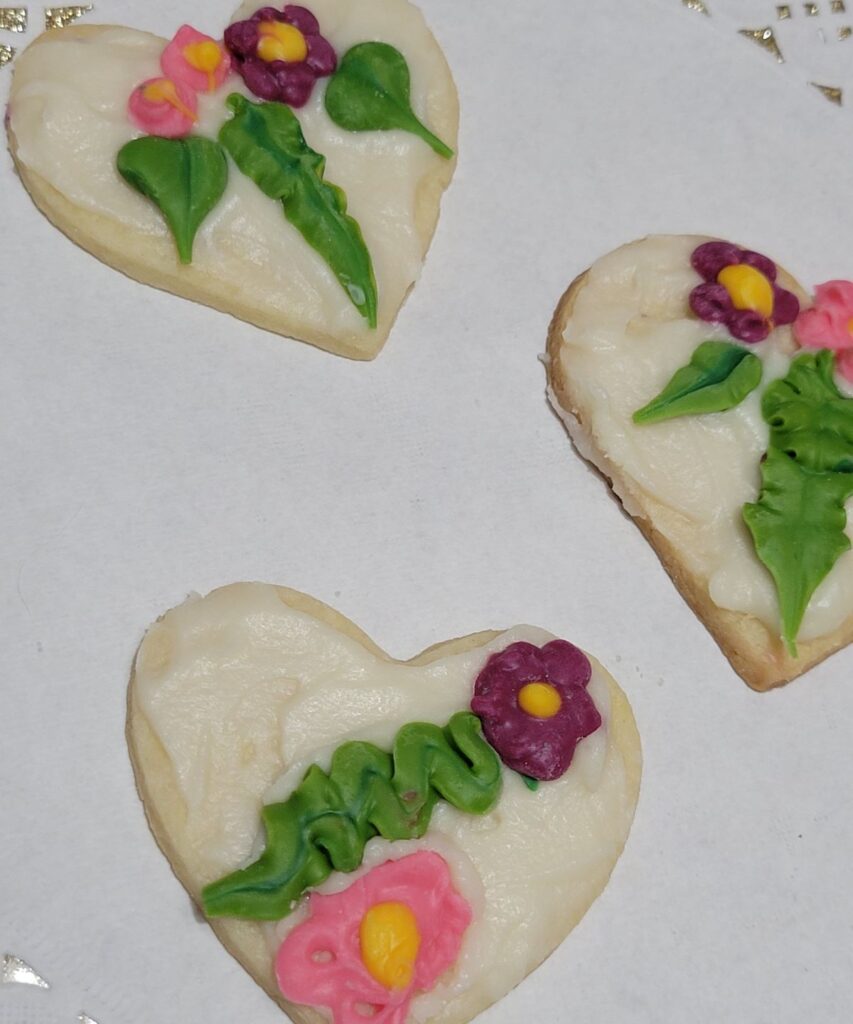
(325, 823)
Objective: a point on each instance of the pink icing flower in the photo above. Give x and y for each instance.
(829, 323)
(740, 291)
(281, 54)
(403, 910)
(196, 60)
(160, 106)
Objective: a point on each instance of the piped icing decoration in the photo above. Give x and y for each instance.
(390, 939)
(829, 324)
(184, 178)
(740, 291)
(195, 59)
(281, 54)
(798, 522)
(718, 377)
(535, 707)
(161, 106)
(265, 140)
(541, 700)
(365, 952)
(326, 822)
(370, 91)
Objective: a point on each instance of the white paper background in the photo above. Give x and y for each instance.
(151, 447)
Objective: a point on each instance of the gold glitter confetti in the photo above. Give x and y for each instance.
(60, 17)
(811, 10)
(832, 92)
(837, 7)
(695, 5)
(765, 39)
(845, 32)
(15, 971)
(783, 12)
(7, 54)
(13, 19)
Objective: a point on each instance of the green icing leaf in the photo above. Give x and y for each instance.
(266, 142)
(185, 178)
(370, 92)
(809, 418)
(532, 784)
(718, 377)
(325, 823)
(798, 525)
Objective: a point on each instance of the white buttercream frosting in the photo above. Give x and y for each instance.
(629, 331)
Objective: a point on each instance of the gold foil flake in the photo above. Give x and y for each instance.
(783, 12)
(696, 5)
(13, 19)
(837, 7)
(16, 971)
(60, 17)
(812, 10)
(84, 1018)
(7, 54)
(831, 92)
(845, 32)
(765, 39)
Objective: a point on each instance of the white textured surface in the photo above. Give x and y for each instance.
(151, 448)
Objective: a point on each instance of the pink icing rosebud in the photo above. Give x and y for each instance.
(160, 106)
(196, 60)
(829, 324)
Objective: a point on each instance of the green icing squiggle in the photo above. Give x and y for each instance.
(325, 823)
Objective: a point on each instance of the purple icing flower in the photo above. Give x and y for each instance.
(534, 706)
(740, 291)
(281, 54)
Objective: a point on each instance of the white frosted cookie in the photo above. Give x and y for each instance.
(404, 871)
(308, 214)
(675, 364)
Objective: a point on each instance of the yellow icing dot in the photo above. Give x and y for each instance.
(540, 700)
(163, 91)
(390, 941)
(280, 41)
(203, 56)
(748, 288)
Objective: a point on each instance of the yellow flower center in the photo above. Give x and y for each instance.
(204, 56)
(748, 288)
(541, 700)
(280, 41)
(163, 90)
(850, 325)
(390, 941)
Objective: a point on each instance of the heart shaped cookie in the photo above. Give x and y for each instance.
(288, 171)
(374, 839)
(690, 372)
